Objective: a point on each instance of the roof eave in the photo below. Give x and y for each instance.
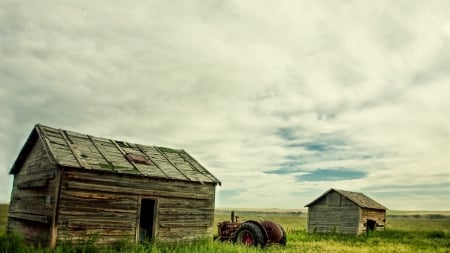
(375, 208)
(26, 149)
(77, 168)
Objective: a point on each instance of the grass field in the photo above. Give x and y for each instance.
(406, 231)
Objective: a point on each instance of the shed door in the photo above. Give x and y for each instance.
(371, 224)
(147, 219)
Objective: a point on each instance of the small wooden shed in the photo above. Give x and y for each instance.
(72, 186)
(346, 212)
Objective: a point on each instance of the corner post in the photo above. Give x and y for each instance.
(54, 224)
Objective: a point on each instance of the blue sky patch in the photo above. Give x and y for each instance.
(282, 171)
(332, 175)
(317, 147)
(319, 144)
(287, 133)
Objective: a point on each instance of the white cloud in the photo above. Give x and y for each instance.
(366, 82)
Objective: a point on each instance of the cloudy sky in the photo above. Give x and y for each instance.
(281, 100)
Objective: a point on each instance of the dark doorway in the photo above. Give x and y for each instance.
(146, 219)
(371, 224)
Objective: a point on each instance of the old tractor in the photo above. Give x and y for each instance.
(250, 232)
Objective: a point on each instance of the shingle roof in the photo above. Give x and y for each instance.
(75, 150)
(356, 197)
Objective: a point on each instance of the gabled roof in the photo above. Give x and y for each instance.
(355, 197)
(75, 150)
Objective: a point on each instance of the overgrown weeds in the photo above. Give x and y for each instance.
(400, 235)
(298, 241)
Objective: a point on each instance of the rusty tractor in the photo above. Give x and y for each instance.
(250, 232)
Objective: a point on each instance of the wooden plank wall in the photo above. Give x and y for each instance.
(185, 219)
(33, 197)
(379, 216)
(333, 214)
(107, 204)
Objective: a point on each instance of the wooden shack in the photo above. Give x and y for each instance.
(72, 186)
(346, 212)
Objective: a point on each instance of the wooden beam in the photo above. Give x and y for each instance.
(150, 159)
(138, 220)
(101, 153)
(81, 163)
(47, 146)
(54, 222)
(98, 223)
(183, 224)
(167, 158)
(33, 184)
(129, 191)
(30, 217)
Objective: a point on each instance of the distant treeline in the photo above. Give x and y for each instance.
(418, 216)
(253, 213)
(262, 213)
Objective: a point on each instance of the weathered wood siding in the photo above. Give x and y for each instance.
(33, 197)
(107, 204)
(379, 216)
(182, 219)
(333, 213)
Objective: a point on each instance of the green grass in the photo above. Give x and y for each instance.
(405, 232)
(3, 217)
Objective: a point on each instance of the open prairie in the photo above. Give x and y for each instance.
(406, 231)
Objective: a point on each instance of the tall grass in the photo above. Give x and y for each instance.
(298, 241)
(402, 234)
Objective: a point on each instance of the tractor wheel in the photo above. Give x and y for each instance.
(249, 234)
(283, 239)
